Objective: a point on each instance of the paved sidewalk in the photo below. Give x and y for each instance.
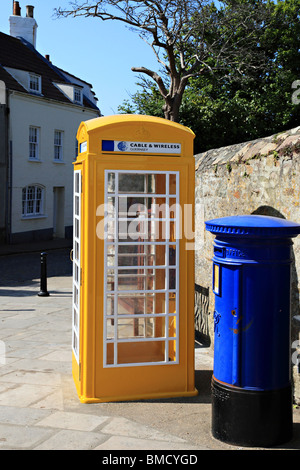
(39, 407)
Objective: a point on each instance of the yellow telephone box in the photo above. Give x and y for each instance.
(133, 262)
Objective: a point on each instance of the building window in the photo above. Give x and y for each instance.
(32, 201)
(58, 146)
(34, 143)
(35, 83)
(77, 95)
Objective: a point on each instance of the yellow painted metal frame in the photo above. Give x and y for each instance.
(94, 383)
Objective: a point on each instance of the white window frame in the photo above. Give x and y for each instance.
(167, 290)
(58, 145)
(77, 95)
(76, 265)
(33, 203)
(35, 83)
(34, 143)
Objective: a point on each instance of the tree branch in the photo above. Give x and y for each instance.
(157, 78)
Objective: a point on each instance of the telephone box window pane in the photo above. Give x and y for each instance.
(172, 327)
(172, 351)
(110, 328)
(141, 279)
(111, 207)
(172, 302)
(141, 328)
(131, 328)
(133, 304)
(75, 318)
(172, 255)
(110, 354)
(172, 184)
(110, 230)
(77, 182)
(131, 182)
(172, 279)
(142, 183)
(111, 183)
(110, 305)
(77, 205)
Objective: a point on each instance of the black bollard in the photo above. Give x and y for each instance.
(43, 292)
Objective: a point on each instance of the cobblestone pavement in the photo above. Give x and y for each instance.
(39, 407)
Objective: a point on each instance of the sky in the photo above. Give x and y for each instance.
(99, 52)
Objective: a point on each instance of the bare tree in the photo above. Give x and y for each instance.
(184, 36)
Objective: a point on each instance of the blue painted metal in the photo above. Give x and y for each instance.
(252, 304)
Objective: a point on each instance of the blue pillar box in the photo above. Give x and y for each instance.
(251, 383)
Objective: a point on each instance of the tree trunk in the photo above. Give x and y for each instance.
(172, 105)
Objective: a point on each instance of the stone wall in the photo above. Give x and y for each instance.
(257, 177)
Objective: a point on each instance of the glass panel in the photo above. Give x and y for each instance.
(172, 231)
(173, 208)
(109, 353)
(141, 328)
(140, 279)
(111, 183)
(76, 254)
(172, 327)
(138, 230)
(76, 296)
(172, 302)
(110, 230)
(131, 328)
(131, 182)
(141, 255)
(142, 183)
(110, 305)
(76, 205)
(172, 184)
(76, 182)
(133, 304)
(76, 228)
(75, 319)
(172, 279)
(172, 350)
(159, 303)
(172, 255)
(110, 329)
(75, 342)
(110, 281)
(111, 207)
(76, 273)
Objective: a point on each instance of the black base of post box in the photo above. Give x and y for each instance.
(251, 418)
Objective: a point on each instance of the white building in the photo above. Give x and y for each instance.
(41, 107)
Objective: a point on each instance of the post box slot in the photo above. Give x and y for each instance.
(220, 252)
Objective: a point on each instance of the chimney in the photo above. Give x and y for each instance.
(29, 11)
(23, 27)
(16, 9)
